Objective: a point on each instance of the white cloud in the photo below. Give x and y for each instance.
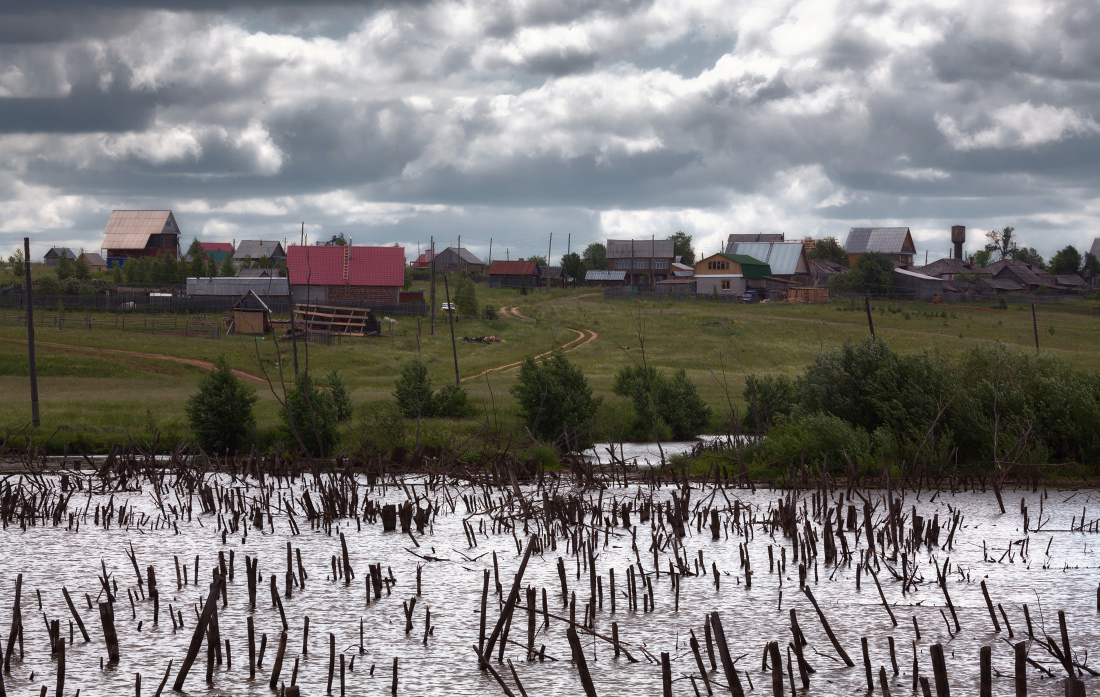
(1023, 125)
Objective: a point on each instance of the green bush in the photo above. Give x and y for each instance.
(489, 313)
(451, 402)
(768, 397)
(312, 415)
(556, 402)
(414, 391)
(220, 412)
(665, 408)
(465, 296)
(812, 438)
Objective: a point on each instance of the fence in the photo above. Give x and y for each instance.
(180, 304)
(187, 326)
(626, 292)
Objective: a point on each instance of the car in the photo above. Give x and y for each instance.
(447, 307)
(750, 296)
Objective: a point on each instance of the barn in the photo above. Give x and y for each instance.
(132, 234)
(341, 275)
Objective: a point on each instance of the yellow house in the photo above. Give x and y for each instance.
(726, 273)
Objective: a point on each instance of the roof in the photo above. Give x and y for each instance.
(551, 272)
(1069, 279)
(676, 282)
(917, 275)
(738, 237)
(254, 273)
(366, 266)
(514, 268)
(784, 258)
(626, 249)
(1022, 273)
(682, 270)
(58, 252)
(750, 266)
(887, 240)
(258, 249)
(131, 229)
(598, 275)
(825, 266)
(948, 265)
(1095, 249)
(216, 246)
(999, 284)
(94, 258)
(231, 286)
(251, 301)
(464, 254)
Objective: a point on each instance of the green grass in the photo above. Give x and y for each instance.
(717, 344)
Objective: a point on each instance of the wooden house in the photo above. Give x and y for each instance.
(727, 274)
(514, 274)
(457, 259)
(256, 250)
(132, 234)
(341, 274)
(644, 261)
(251, 315)
(95, 260)
(52, 257)
(894, 242)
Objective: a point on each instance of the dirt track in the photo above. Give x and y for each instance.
(573, 344)
(195, 362)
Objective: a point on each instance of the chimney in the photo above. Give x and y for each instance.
(958, 237)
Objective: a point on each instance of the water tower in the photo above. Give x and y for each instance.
(958, 237)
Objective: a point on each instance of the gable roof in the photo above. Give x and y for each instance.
(258, 249)
(59, 252)
(93, 258)
(887, 240)
(254, 273)
(513, 268)
(1095, 249)
(750, 266)
(132, 229)
(216, 246)
(642, 249)
(999, 284)
(321, 265)
(1069, 279)
(251, 301)
(1020, 272)
(601, 275)
(463, 253)
(738, 237)
(784, 258)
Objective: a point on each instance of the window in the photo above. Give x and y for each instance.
(622, 263)
(725, 285)
(641, 263)
(660, 263)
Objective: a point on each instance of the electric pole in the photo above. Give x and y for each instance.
(431, 261)
(30, 332)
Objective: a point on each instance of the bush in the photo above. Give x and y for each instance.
(415, 398)
(489, 313)
(672, 406)
(313, 414)
(451, 402)
(556, 402)
(813, 437)
(220, 412)
(465, 296)
(768, 397)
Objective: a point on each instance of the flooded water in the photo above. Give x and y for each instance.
(1056, 569)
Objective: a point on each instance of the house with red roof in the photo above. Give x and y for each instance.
(344, 274)
(514, 274)
(218, 251)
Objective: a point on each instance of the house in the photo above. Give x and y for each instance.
(217, 252)
(997, 285)
(95, 260)
(604, 278)
(251, 315)
(644, 261)
(132, 234)
(1070, 282)
(456, 259)
(553, 276)
(786, 259)
(1023, 274)
(56, 253)
(727, 274)
(423, 262)
(894, 242)
(821, 270)
(682, 270)
(738, 238)
(260, 249)
(345, 274)
(913, 284)
(256, 273)
(948, 269)
(514, 274)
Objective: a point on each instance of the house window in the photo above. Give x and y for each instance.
(622, 263)
(641, 263)
(725, 285)
(660, 263)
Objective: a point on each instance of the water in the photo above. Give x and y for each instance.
(1061, 577)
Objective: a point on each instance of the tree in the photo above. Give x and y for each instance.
(211, 267)
(662, 403)
(556, 402)
(829, 249)
(872, 273)
(572, 265)
(595, 257)
(538, 259)
(465, 296)
(313, 412)
(82, 270)
(408, 278)
(982, 257)
(681, 247)
(1028, 255)
(221, 411)
(1091, 266)
(17, 262)
(64, 268)
(413, 391)
(1066, 260)
(1001, 242)
(228, 269)
(197, 263)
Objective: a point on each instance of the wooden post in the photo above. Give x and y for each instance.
(1035, 327)
(30, 332)
(728, 668)
(1021, 668)
(60, 667)
(986, 668)
(76, 616)
(870, 322)
(451, 320)
(107, 616)
(939, 670)
(579, 660)
(431, 300)
(200, 631)
(828, 630)
(666, 675)
(278, 667)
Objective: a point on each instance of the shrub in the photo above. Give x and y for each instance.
(489, 313)
(414, 391)
(768, 397)
(312, 415)
(465, 296)
(340, 397)
(220, 412)
(451, 402)
(556, 402)
(813, 437)
(672, 406)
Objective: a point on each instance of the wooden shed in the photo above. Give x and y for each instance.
(251, 315)
(808, 295)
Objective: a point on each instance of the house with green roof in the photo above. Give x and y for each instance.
(726, 274)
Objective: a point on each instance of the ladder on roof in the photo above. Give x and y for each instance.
(347, 261)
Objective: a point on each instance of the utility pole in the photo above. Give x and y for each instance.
(290, 306)
(1034, 326)
(30, 332)
(549, 245)
(431, 262)
(870, 322)
(451, 316)
(490, 251)
(568, 243)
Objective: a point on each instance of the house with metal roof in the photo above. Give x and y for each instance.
(95, 260)
(605, 278)
(231, 287)
(514, 274)
(55, 254)
(894, 242)
(786, 259)
(344, 274)
(259, 249)
(132, 234)
(644, 261)
(456, 259)
(217, 252)
(727, 274)
(948, 269)
(913, 284)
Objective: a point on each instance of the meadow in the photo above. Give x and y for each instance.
(90, 397)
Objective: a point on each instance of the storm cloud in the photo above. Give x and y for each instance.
(507, 120)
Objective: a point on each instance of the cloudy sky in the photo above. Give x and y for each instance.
(514, 119)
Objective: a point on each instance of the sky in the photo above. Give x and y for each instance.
(508, 121)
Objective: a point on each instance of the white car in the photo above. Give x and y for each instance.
(447, 307)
